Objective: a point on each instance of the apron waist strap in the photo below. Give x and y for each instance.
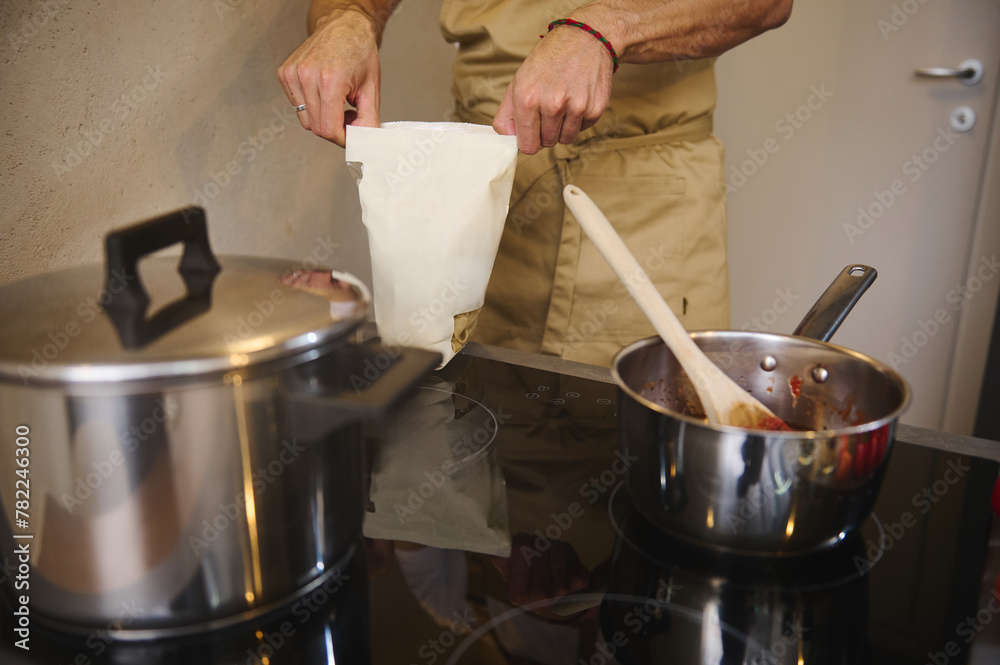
(695, 129)
(530, 168)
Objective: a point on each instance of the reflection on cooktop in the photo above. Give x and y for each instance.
(327, 625)
(500, 489)
(895, 591)
(704, 606)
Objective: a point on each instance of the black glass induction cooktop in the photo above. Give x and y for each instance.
(507, 454)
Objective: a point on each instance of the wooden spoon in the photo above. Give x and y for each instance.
(725, 402)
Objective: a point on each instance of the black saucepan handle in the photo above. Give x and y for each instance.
(836, 302)
(126, 300)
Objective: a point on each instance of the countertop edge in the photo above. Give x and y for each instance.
(949, 442)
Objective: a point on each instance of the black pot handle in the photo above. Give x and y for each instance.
(125, 298)
(380, 378)
(836, 302)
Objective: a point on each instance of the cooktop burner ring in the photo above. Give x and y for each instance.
(620, 510)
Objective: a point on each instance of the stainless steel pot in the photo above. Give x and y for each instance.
(192, 468)
(757, 492)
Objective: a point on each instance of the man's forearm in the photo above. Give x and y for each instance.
(658, 30)
(378, 11)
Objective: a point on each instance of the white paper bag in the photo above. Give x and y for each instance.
(434, 197)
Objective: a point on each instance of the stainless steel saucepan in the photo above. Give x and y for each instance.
(762, 492)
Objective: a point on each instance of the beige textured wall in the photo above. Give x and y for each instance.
(114, 112)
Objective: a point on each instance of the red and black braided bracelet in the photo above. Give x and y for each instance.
(595, 33)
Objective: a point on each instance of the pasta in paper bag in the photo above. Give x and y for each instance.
(434, 197)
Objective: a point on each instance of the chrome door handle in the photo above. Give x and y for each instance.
(970, 72)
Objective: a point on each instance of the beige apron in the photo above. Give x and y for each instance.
(651, 164)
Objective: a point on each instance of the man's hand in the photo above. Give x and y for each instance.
(551, 575)
(562, 88)
(338, 63)
(564, 85)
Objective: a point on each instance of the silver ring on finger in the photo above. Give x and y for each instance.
(300, 108)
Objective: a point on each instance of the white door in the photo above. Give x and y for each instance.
(838, 153)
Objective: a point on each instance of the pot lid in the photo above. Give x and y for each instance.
(170, 320)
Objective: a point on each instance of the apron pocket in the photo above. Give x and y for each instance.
(648, 212)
